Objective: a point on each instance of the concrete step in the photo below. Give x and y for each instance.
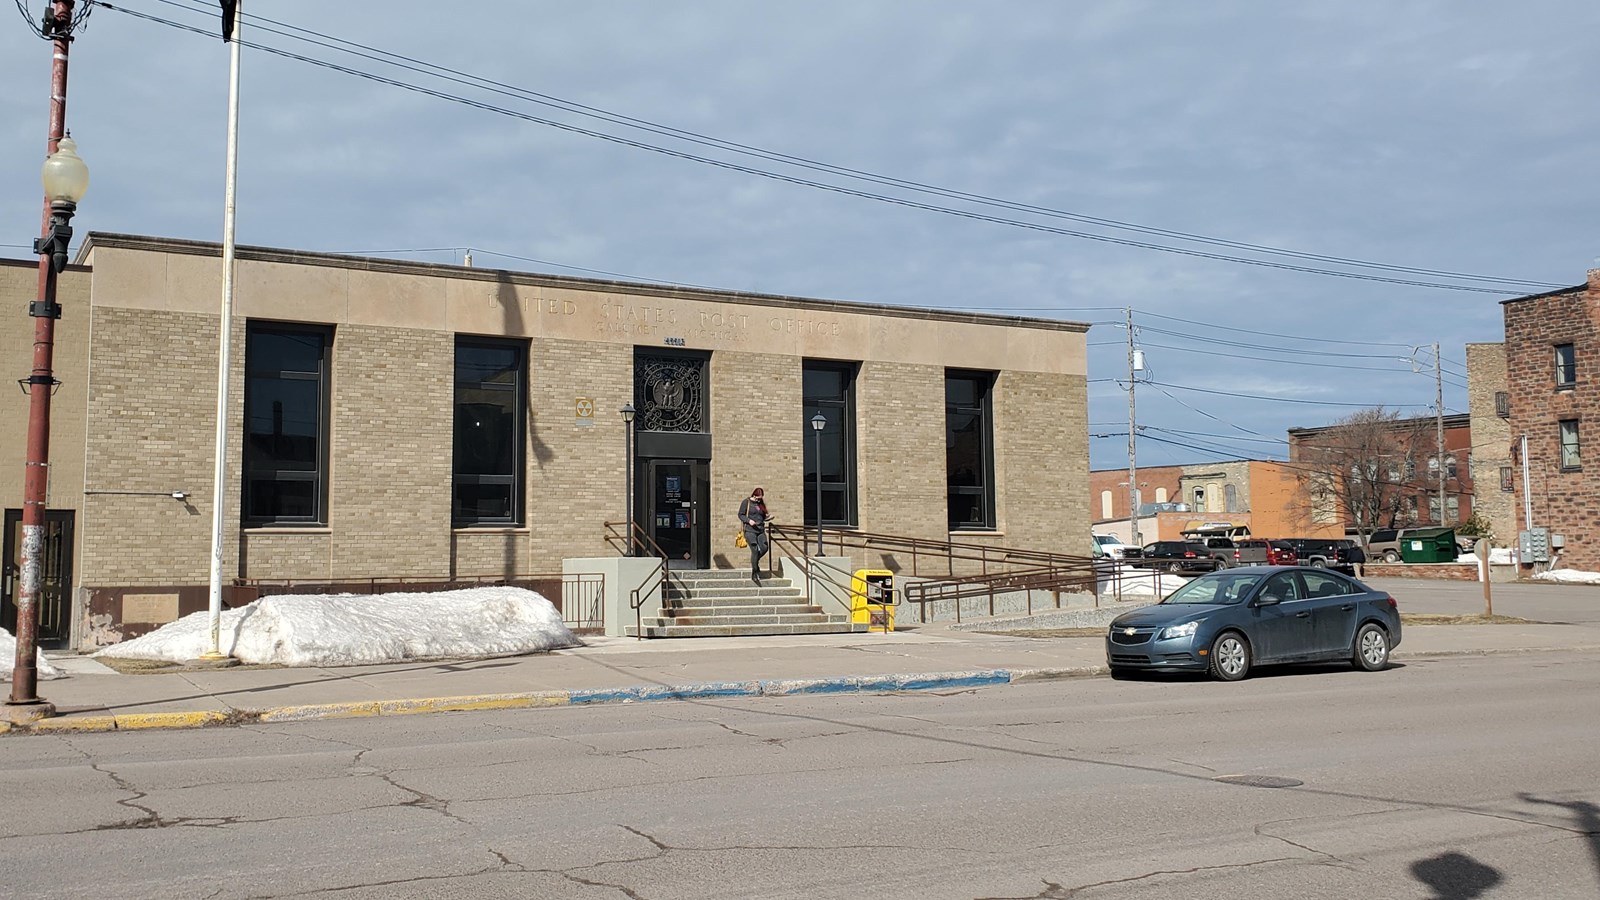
(805, 618)
(714, 583)
(712, 574)
(746, 590)
(686, 631)
(751, 609)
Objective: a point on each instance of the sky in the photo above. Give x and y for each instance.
(1450, 137)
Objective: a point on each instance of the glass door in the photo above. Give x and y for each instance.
(676, 516)
(55, 585)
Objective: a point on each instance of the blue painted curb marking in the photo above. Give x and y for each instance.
(851, 684)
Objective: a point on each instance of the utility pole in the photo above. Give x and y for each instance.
(1438, 409)
(213, 654)
(25, 701)
(1133, 459)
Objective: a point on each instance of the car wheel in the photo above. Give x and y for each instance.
(1120, 674)
(1173, 567)
(1391, 556)
(1371, 649)
(1230, 656)
(1224, 564)
(1319, 564)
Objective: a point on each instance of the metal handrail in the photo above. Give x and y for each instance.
(919, 548)
(637, 595)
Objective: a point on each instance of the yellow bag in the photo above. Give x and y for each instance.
(739, 541)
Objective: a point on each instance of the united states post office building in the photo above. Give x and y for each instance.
(398, 420)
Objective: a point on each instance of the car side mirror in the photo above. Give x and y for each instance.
(1267, 600)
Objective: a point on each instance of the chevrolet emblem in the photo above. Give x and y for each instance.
(1128, 630)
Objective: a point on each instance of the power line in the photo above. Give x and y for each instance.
(1292, 362)
(1270, 333)
(1246, 346)
(835, 188)
(1283, 399)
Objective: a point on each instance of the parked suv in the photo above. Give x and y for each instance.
(1177, 556)
(1327, 553)
(1385, 543)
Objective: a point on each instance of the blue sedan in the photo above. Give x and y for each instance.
(1228, 621)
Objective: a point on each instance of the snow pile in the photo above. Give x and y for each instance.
(1142, 584)
(1498, 556)
(1568, 576)
(8, 656)
(349, 630)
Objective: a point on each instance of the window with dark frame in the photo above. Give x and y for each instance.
(1507, 483)
(829, 389)
(969, 449)
(1571, 460)
(490, 402)
(1566, 366)
(285, 452)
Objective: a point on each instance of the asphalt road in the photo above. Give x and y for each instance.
(1571, 604)
(1460, 777)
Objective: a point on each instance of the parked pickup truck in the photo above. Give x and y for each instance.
(1262, 552)
(1327, 553)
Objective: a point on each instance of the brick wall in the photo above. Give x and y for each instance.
(758, 424)
(389, 498)
(150, 420)
(1491, 442)
(1566, 502)
(576, 473)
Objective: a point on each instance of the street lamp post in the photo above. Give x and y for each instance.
(627, 441)
(819, 422)
(65, 179)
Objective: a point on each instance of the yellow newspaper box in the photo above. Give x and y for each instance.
(872, 599)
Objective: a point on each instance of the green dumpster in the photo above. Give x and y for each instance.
(1428, 545)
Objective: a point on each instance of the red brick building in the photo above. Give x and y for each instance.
(1553, 388)
(1413, 473)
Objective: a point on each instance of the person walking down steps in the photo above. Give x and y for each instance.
(753, 518)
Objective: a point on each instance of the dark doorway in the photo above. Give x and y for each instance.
(675, 510)
(55, 586)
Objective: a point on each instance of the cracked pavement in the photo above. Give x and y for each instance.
(1442, 778)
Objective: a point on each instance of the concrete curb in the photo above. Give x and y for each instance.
(787, 687)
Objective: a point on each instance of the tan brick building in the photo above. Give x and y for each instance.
(402, 420)
(1553, 388)
(1494, 468)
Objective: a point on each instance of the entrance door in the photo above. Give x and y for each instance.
(676, 515)
(56, 583)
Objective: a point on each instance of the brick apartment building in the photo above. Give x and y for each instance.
(1414, 470)
(1494, 462)
(1263, 494)
(1553, 391)
(402, 420)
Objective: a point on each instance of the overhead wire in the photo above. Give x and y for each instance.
(836, 188)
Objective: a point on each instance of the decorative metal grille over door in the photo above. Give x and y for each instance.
(671, 392)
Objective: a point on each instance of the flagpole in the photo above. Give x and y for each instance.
(219, 478)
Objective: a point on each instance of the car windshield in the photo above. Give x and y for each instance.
(1104, 539)
(1218, 589)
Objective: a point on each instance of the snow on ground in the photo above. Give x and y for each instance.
(1569, 576)
(8, 656)
(1498, 556)
(1141, 585)
(349, 630)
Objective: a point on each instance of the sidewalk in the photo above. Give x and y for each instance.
(612, 670)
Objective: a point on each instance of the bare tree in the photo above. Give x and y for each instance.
(1362, 467)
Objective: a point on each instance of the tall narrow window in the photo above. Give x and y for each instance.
(1108, 506)
(1566, 366)
(286, 424)
(1507, 483)
(830, 390)
(487, 478)
(1569, 444)
(969, 449)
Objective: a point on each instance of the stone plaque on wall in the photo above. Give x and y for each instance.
(149, 609)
